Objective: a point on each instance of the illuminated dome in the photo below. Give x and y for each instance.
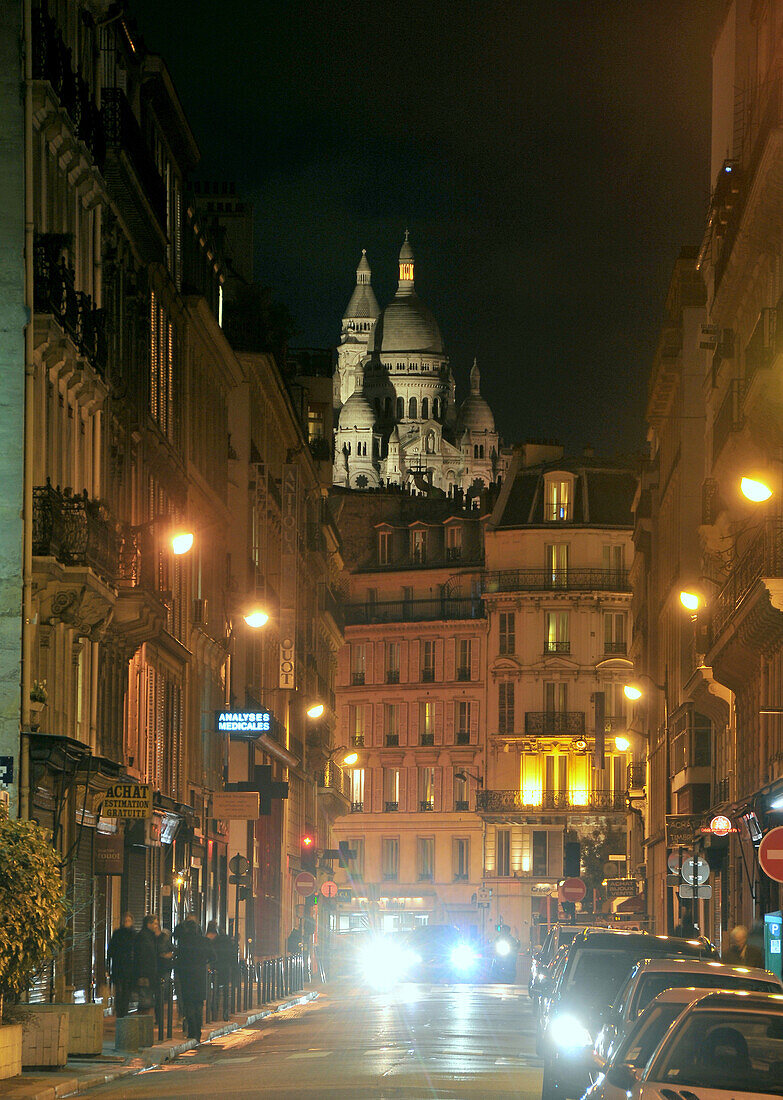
(356, 413)
(475, 414)
(406, 325)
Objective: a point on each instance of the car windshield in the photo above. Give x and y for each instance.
(597, 975)
(650, 985)
(638, 1047)
(724, 1049)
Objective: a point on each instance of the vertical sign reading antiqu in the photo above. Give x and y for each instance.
(288, 556)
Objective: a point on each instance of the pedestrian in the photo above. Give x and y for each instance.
(194, 953)
(294, 942)
(165, 954)
(146, 965)
(740, 952)
(120, 961)
(225, 952)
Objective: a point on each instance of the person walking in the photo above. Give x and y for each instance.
(165, 954)
(120, 961)
(740, 952)
(194, 953)
(225, 953)
(146, 965)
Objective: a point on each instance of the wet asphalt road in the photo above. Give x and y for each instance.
(415, 1041)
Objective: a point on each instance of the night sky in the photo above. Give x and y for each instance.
(549, 158)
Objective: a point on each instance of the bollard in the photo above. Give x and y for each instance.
(169, 1008)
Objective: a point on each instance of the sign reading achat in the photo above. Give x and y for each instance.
(230, 721)
(128, 800)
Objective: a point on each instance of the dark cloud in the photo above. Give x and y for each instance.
(550, 159)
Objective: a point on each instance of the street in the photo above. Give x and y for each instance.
(417, 1040)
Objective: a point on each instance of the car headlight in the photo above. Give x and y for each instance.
(503, 947)
(463, 957)
(568, 1033)
(409, 959)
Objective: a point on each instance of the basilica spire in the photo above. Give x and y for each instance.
(475, 378)
(405, 285)
(363, 306)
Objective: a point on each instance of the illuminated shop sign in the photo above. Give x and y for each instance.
(257, 721)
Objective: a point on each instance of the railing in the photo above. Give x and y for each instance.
(426, 805)
(123, 135)
(553, 580)
(556, 647)
(463, 674)
(357, 807)
(722, 790)
(462, 737)
(461, 806)
(357, 740)
(391, 807)
(333, 778)
(535, 802)
(764, 557)
(391, 740)
(333, 607)
(411, 611)
(615, 647)
(75, 531)
(392, 676)
(729, 418)
(545, 723)
(637, 776)
(428, 739)
(55, 292)
(760, 348)
(428, 675)
(357, 678)
(253, 984)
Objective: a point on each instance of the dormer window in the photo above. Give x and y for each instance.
(384, 547)
(453, 543)
(558, 498)
(419, 546)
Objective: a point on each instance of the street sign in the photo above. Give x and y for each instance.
(109, 854)
(680, 830)
(687, 891)
(344, 896)
(329, 889)
(673, 863)
(239, 864)
(304, 884)
(771, 854)
(128, 800)
(483, 894)
(696, 871)
(571, 889)
(236, 805)
(620, 887)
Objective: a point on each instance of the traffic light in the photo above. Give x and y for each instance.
(572, 858)
(308, 852)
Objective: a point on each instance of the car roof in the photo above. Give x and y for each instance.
(741, 999)
(614, 938)
(700, 966)
(685, 994)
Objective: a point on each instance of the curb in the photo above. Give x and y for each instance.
(154, 1056)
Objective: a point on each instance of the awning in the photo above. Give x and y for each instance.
(632, 905)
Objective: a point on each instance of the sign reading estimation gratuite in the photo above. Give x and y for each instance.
(128, 800)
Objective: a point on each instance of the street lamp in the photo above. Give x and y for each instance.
(755, 490)
(464, 775)
(315, 710)
(181, 542)
(690, 600)
(621, 743)
(256, 618)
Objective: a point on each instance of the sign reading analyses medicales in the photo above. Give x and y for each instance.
(230, 721)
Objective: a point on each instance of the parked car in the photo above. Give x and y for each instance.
(557, 936)
(639, 1043)
(651, 976)
(596, 966)
(728, 1046)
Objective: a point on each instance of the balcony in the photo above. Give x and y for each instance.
(334, 782)
(453, 553)
(428, 675)
(76, 531)
(545, 723)
(357, 807)
(585, 802)
(132, 175)
(391, 807)
(332, 606)
(392, 740)
(428, 739)
(426, 805)
(55, 294)
(760, 349)
(636, 777)
(729, 418)
(392, 676)
(722, 791)
(461, 806)
(357, 678)
(462, 737)
(413, 611)
(463, 675)
(551, 647)
(763, 558)
(615, 649)
(557, 580)
(357, 740)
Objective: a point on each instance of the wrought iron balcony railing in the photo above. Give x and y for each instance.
(553, 580)
(75, 531)
(556, 647)
(55, 292)
(763, 558)
(334, 779)
(637, 776)
(124, 140)
(576, 801)
(411, 611)
(615, 647)
(545, 723)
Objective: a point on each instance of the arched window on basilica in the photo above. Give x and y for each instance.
(412, 409)
(425, 408)
(400, 408)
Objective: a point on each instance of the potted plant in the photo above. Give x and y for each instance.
(38, 697)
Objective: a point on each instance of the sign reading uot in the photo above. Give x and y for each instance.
(128, 800)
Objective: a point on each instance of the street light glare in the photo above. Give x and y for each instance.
(256, 619)
(690, 600)
(181, 542)
(315, 711)
(622, 744)
(630, 691)
(755, 490)
(351, 758)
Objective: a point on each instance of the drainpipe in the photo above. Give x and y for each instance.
(27, 483)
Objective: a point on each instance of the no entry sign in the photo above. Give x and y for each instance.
(304, 884)
(771, 854)
(571, 889)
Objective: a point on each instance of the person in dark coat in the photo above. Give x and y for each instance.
(741, 952)
(225, 951)
(194, 953)
(120, 961)
(165, 953)
(146, 968)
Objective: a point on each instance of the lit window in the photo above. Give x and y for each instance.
(384, 547)
(557, 499)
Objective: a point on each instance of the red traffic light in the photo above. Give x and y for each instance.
(308, 841)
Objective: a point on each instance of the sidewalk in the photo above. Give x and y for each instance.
(86, 1073)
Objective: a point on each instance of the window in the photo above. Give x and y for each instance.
(425, 858)
(426, 725)
(412, 414)
(419, 546)
(390, 858)
(614, 632)
(540, 855)
(435, 408)
(556, 632)
(387, 407)
(460, 795)
(619, 765)
(425, 409)
(428, 662)
(358, 663)
(555, 779)
(407, 594)
(391, 789)
(356, 724)
(557, 499)
(502, 852)
(400, 408)
(462, 722)
(615, 702)
(392, 662)
(460, 849)
(391, 724)
(315, 422)
(614, 559)
(508, 642)
(427, 788)
(555, 697)
(506, 706)
(557, 564)
(356, 865)
(384, 547)
(357, 790)
(161, 404)
(453, 543)
(464, 650)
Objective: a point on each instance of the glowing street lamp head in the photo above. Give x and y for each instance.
(256, 618)
(755, 490)
(622, 744)
(181, 542)
(315, 711)
(350, 759)
(689, 600)
(631, 691)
